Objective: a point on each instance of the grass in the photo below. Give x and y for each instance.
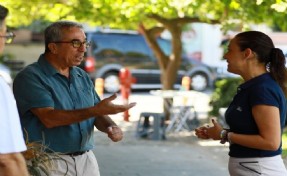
(39, 160)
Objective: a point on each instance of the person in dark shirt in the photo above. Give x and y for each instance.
(256, 116)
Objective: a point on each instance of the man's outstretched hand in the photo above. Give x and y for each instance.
(106, 107)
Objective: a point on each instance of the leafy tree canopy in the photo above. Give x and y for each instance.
(127, 14)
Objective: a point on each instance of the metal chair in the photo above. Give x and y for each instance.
(182, 118)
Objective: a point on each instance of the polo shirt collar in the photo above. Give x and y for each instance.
(46, 66)
(255, 80)
(50, 70)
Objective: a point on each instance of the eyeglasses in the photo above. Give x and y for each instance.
(76, 43)
(9, 37)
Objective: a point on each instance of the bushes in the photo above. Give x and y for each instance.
(14, 65)
(224, 91)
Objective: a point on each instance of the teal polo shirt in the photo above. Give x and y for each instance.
(41, 85)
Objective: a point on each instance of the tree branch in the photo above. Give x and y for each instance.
(150, 36)
(180, 21)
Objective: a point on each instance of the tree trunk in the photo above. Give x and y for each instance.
(168, 65)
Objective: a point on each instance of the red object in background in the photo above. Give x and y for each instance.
(126, 81)
(90, 64)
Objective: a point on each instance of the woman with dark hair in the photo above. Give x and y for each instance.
(256, 116)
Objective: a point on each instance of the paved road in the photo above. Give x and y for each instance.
(181, 154)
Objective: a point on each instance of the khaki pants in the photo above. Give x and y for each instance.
(82, 165)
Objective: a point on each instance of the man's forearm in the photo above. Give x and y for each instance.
(103, 123)
(13, 164)
(51, 117)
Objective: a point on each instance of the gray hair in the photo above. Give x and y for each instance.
(54, 31)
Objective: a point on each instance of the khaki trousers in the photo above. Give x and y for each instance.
(81, 165)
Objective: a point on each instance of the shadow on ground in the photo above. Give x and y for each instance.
(179, 155)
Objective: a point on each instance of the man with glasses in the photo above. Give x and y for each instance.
(58, 105)
(12, 162)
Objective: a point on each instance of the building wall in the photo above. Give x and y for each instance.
(28, 53)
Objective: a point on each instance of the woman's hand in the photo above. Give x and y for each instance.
(201, 132)
(214, 131)
(207, 132)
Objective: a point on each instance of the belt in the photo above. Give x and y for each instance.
(76, 153)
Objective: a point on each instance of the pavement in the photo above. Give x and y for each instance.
(180, 154)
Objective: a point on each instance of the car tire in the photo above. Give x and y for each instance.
(111, 82)
(199, 81)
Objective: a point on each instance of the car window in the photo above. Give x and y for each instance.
(105, 46)
(165, 46)
(117, 45)
(135, 44)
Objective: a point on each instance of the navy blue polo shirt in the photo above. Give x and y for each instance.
(261, 90)
(41, 85)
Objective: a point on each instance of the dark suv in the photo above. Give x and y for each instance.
(112, 50)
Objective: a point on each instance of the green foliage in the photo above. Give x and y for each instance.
(222, 96)
(38, 26)
(129, 13)
(284, 143)
(6, 57)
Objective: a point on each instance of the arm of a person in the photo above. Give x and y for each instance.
(107, 125)
(103, 122)
(12, 164)
(267, 119)
(51, 117)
